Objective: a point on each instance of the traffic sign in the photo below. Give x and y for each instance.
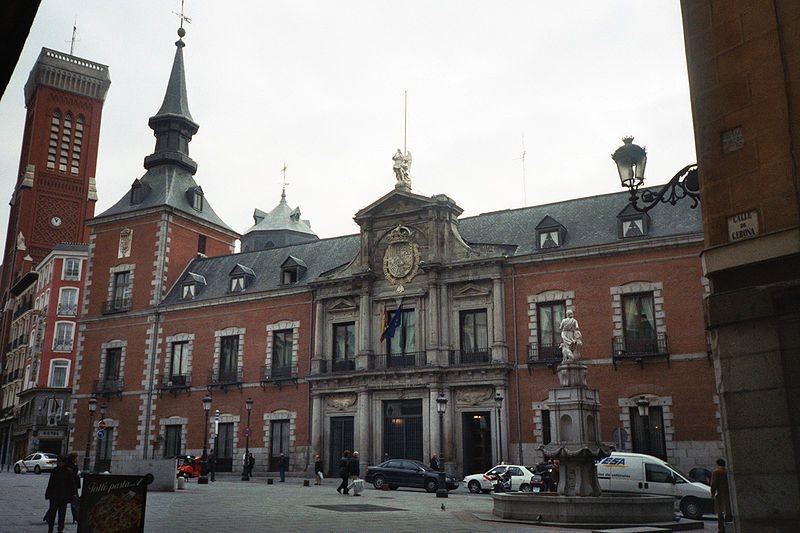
(246, 432)
(216, 415)
(101, 434)
(102, 424)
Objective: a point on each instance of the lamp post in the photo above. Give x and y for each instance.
(248, 404)
(498, 400)
(441, 407)
(203, 479)
(103, 409)
(92, 408)
(643, 407)
(631, 160)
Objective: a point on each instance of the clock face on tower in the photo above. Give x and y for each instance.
(55, 221)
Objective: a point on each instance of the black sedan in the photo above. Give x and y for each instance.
(396, 473)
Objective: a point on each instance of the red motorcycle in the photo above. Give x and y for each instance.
(189, 466)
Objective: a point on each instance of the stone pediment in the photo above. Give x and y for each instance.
(342, 305)
(470, 291)
(400, 201)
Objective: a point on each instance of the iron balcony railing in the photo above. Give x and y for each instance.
(404, 360)
(481, 356)
(108, 386)
(626, 348)
(224, 378)
(176, 382)
(67, 309)
(117, 305)
(24, 307)
(53, 420)
(63, 346)
(276, 373)
(544, 354)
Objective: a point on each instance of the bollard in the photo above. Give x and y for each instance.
(269, 481)
(305, 483)
(181, 483)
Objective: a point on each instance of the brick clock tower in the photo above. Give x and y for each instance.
(55, 190)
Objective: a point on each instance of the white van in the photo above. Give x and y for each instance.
(644, 474)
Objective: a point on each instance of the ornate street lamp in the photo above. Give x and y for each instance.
(248, 404)
(631, 160)
(92, 408)
(203, 479)
(498, 400)
(441, 407)
(643, 405)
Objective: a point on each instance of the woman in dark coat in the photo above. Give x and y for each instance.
(318, 470)
(344, 472)
(61, 489)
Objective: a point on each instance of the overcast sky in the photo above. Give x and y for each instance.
(319, 85)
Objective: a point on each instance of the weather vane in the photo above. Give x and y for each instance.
(182, 17)
(74, 37)
(284, 183)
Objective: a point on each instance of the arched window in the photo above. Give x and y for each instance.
(52, 149)
(66, 138)
(76, 145)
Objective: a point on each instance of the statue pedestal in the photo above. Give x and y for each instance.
(575, 423)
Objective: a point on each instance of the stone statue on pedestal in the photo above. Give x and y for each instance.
(402, 164)
(571, 339)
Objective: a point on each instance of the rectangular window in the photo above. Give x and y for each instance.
(228, 356)
(638, 317)
(289, 276)
(68, 302)
(72, 270)
(404, 340)
(237, 284)
(55, 408)
(201, 244)
(179, 363)
(113, 363)
(546, 434)
(62, 340)
(474, 334)
(344, 341)
(58, 374)
(282, 345)
(187, 291)
(121, 291)
(279, 441)
(549, 316)
(172, 441)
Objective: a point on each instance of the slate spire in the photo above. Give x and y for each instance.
(173, 125)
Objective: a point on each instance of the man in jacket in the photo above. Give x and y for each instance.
(344, 472)
(720, 493)
(355, 471)
(61, 489)
(435, 462)
(283, 462)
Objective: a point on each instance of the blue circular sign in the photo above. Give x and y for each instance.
(101, 434)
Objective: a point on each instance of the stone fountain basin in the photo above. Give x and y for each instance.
(604, 509)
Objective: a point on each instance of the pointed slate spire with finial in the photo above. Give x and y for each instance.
(173, 125)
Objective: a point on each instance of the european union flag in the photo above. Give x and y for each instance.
(397, 316)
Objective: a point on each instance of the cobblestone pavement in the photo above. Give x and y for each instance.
(231, 505)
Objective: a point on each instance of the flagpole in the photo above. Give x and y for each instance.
(405, 119)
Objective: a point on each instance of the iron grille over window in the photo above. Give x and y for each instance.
(172, 441)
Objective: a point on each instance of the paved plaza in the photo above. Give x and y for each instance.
(231, 505)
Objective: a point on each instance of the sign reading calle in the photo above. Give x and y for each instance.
(743, 225)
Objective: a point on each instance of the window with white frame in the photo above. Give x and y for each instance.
(59, 373)
(68, 301)
(187, 291)
(71, 270)
(64, 333)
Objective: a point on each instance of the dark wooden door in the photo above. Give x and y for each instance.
(341, 440)
(477, 432)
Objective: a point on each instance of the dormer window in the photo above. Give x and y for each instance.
(550, 234)
(632, 224)
(192, 283)
(292, 270)
(241, 277)
(139, 191)
(195, 197)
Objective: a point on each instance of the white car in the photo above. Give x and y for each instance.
(38, 462)
(520, 479)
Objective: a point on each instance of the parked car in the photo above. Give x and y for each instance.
(644, 474)
(38, 462)
(520, 479)
(396, 473)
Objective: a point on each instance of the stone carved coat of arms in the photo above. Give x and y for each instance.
(401, 260)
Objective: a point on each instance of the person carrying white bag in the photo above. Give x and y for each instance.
(356, 484)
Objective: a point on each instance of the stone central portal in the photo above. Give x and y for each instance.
(402, 429)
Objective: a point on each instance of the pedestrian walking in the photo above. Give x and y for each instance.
(435, 462)
(318, 470)
(355, 475)
(251, 463)
(61, 490)
(212, 466)
(344, 472)
(721, 494)
(283, 462)
(72, 464)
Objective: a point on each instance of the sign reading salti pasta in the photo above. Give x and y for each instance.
(113, 504)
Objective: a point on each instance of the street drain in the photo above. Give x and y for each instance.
(357, 508)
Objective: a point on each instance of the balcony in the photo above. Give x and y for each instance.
(544, 355)
(52, 420)
(107, 387)
(176, 383)
(63, 346)
(276, 374)
(639, 350)
(481, 356)
(405, 360)
(328, 366)
(224, 378)
(65, 309)
(116, 305)
(26, 306)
